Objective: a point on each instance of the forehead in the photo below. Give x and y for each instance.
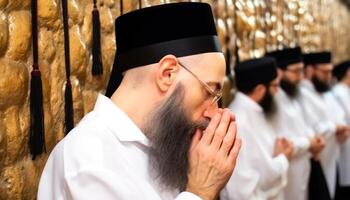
(295, 66)
(276, 80)
(326, 67)
(210, 67)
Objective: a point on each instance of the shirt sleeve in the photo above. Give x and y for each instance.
(261, 173)
(311, 114)
(243, 174)
(301, 145)
(101, 184)
(272, 171)
(98, 184)
(187, 196)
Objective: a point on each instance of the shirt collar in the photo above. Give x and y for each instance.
(343, 85)
(118, 121)
(307, 84)
(248, 102)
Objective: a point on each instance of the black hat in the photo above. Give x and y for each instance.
(250, 73)
(340, 70)
(317, 58)
(287, 57)
(144, 36)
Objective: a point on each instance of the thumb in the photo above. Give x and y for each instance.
(196, 138)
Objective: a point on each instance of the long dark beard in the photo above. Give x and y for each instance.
(291, 89)
(268, 104)
(171, 132)
(320, 86)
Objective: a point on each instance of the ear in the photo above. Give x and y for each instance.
(166, 72)
(347, 74)
(309, 71)
(260, 91)
(280, 73)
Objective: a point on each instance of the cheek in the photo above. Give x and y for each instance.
(273, 90)
(292, 78)
(319, 76)
(195, 103)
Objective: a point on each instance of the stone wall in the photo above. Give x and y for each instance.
(19, 175)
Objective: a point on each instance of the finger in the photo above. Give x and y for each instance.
(210, 130)
(318, 139)
(235, 150)
(229, 139)
(284, 140)
(221, 130)
(196, 139)
(233, 117)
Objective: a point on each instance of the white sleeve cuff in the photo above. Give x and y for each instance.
(187, 196)
(282, 159)
(301, 145)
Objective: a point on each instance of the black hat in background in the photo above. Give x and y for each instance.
(317, 58)
(286, 57)
(340, 70)
(250, 73)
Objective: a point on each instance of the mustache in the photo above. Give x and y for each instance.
(202, 125)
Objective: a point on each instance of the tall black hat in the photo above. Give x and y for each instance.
(145, 36)
(287, 56)
(251, 73)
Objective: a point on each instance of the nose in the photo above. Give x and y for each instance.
(300, 76)
(211, 110)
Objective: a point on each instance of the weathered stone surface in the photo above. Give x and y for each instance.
(86, 28)
(3, 33)
(18, 4)
(19, 35)
(90, 97)
(19, 175)
(11, 177)
(13, 83)
(16, 166)
(49, 13)
(222, 31)
(130, 6)
(78, 101)
(147, 3)
(75, 13)
(106, 18)
(2, 141)
(47, 45)
(3, 4)
(24, 124)
(57, 76)
(110, 3)
(31, 175)
(14, 139)
(78, 52)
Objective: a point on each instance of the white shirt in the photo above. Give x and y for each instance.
(104, 157)
(318, 115)
(257, 175)
(289, 122)
(342, 94)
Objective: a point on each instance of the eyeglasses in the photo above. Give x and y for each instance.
(216, 96)
(324, 71)
(275, 85)
(296, 71)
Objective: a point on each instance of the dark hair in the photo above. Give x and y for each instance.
(248, 88)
